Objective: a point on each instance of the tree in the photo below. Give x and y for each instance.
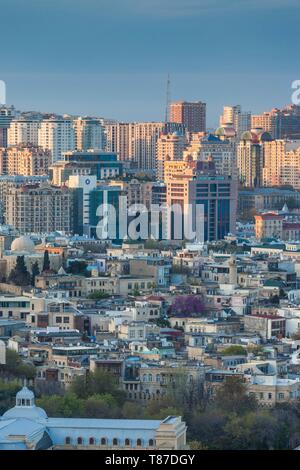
(98, 295)
(232, 397)
(35, 271)
(234, 350)
(15, 367)
(46, 262)
(20, 275)
(188, 305)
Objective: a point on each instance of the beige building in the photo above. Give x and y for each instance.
(25, 161)
(39, 208)
(274, 156)
(170, 147)
(268, 225)
(23, 132)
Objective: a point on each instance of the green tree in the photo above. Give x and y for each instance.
(19, 275)
(234, 350)
(16, 367)
(35, 271)
(46, 261)
(98, 295)
(232, 397)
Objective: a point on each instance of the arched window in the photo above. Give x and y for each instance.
(68, 440)
(145, 378)
(138, 442)
(115, 441)
(91, 441)
(79, 440)
(127, 442)
(103, 441)
(150, 377)
(151, 442)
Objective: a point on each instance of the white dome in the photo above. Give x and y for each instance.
(23, 244)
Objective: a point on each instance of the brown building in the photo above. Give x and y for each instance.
(191, 114)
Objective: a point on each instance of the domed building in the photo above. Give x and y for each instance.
(27, 427)
(22, 244)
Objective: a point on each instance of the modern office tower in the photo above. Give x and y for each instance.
(24, 160)
(169, 147)
(234, 117)
(89, 133)
(58, 136)
(250, 157)
(103, 195)
(39, 208)
(103, 165)
(159, 193)
(192, 115)
(222, 150)
(81, 187)
(12, 182)
(7, 113)
(23, 131)
(196, 183)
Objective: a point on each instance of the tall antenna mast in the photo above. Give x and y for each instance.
(168, 99)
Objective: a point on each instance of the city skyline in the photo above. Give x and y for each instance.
(211, 52)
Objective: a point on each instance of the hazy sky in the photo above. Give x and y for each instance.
(111, 57)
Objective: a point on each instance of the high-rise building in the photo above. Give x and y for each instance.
(222, 150)
(196, 183)
(26, 161)
(8, 182)
(136, 142)
(250, 159)
(192, 115)
(58, 136)
(39, 208)
(7, 113)
(234, 117)
(104, 165)
(89, 133)
(281, 123)
(282, 163)
(269, 122)
(23, 132)
(273, 158)
(169, 147)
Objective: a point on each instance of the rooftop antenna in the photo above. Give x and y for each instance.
(168, 99)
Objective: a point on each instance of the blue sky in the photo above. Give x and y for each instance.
(111, 57)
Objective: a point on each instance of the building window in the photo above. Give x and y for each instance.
(91, 441)
(103, 441)
(68, 440)
(151, 442)
(79, 440)
(115, 441)
(138, 442)
(127, 442)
